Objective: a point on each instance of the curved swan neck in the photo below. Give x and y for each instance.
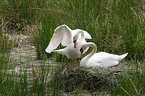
(86, 58)
(79, 36)
(93, 51)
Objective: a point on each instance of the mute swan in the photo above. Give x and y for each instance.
(67, 37)
(100, 59)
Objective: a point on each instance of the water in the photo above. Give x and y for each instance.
(23, 55)
(23, 58)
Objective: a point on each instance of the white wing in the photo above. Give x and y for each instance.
(66, 33)
(86, 34)
(54, 42)
(62, 34)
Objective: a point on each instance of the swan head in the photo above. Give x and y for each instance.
(75, 43)
(81, 50)
(86, 46)
(77, 36)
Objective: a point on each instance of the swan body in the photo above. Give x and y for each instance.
(64, 35)
(69, 51)
(100, 59)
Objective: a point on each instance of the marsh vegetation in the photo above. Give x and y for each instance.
(116, 26)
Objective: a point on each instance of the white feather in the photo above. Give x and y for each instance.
(64, 35)
(100, 59)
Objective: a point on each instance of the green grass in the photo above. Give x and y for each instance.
(24, 83)
(115, 26)
(17, 14)
(67, 79)
(5, 47)
(131, 83)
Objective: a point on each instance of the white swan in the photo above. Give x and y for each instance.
(100, 59)
(67, 37)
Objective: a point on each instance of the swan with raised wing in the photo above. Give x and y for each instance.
(100, 59)
(68, 37)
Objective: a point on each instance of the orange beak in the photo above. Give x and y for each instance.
(75, 44)
(81, 52)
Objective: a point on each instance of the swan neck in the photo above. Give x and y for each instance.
(86, 58)
(80, 38)
(93, 51)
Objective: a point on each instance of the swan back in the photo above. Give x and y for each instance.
(103, 59)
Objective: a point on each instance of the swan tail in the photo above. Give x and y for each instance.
(123, 56)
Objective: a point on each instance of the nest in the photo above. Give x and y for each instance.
(71, 77)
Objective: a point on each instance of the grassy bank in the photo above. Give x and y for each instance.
(126, 79)
(113, 81)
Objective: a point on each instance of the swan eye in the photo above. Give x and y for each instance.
(81, 50)
(74, 41)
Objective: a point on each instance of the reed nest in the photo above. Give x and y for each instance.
(71, 77)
